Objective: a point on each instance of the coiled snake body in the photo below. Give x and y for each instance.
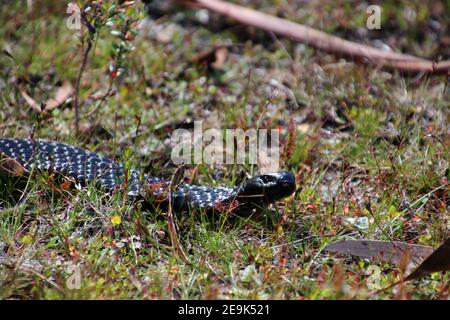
(86, 167)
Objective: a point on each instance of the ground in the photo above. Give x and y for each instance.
(369, 149)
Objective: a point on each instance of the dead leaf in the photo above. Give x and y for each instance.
(62, 94)
(439, 260)
(66, 185)
(10, 167)
(387, 251)
(33, 104)
(221, 57)
(215, 57)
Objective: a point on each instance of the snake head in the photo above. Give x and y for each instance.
(267, 188)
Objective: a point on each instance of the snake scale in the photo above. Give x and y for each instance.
(86, 167)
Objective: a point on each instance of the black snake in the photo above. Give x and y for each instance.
(86, 167)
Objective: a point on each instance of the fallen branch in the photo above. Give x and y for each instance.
(321, 40)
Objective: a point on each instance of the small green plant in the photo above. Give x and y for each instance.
(121, 21)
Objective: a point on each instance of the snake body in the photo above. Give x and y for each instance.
(86, 167)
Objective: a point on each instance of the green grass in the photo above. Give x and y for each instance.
(388, 142)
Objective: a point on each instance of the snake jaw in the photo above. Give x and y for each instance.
(267, 188)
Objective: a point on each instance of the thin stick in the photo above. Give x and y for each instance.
(91, 31)
(77, 87)
(176, 245)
